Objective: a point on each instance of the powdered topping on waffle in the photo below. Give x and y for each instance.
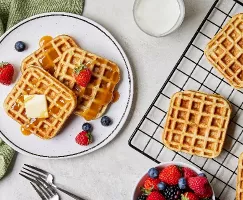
(197, 123)
(61, 102)
(93, 99)
(239, 187)
(225, 51)
(50, 53)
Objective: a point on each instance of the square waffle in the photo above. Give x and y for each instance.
(49, 55)
(197, 123)
(239, 187)
(61, 102)
(94, 99)
(225, 51)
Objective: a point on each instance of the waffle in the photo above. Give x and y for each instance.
(60, 99)
(225, 51)
(94, 99)
(239, 188)
(49, 55)
(197, 123)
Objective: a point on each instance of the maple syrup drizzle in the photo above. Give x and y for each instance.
(44, 40)
(50, 54)
(116, 96)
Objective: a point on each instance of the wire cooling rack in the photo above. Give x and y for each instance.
(194, 72)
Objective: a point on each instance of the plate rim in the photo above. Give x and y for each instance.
(126, 113)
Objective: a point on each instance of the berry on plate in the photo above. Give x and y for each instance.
(202, 175)
(170, 175)
(87, 127)
(187, 172)
(84, 138)
(161, 186)
(153, 173)
(6, 73)
(82, 75)
(20, 46)
(172, 192)
(151, 184)
(189, 196)
(106, 121)
(155, 196)
(142, 197)
(182, 183)
(200, 186)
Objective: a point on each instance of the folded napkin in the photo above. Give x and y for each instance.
(14, 11)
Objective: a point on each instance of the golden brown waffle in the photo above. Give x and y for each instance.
(239, 187)
(49, 55)
(197, 123)
(94, 99)
(60, 99)
(225, 51)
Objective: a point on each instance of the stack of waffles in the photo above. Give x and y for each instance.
(49, 71)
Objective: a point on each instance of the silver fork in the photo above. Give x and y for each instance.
(39, 175)
(45, 193)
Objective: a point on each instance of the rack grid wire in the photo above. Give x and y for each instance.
(194, 72)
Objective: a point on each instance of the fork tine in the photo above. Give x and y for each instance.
(37, 169)
(34, 172)
(38, 192)
(44, 190)
(31, 175)
(28, 178)
(47, 185)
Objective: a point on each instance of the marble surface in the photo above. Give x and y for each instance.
(111, 172)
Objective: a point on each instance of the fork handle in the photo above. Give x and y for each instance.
(69, 193)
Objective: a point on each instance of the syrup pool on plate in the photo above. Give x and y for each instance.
(158, 17)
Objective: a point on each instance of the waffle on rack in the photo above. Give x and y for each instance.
(60, 99)
(94, 99)
(197, 123)
(225, 51)
(239, 187)
(49, 55)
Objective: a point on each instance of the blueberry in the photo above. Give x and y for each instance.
(161, 186)
(202, 175)
(20, 46)
(182, 183)
(87, 127)
(153, 173)
(106, 121)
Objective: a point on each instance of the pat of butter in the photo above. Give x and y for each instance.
(36, 106)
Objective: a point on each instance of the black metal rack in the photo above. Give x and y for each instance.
(193, 71)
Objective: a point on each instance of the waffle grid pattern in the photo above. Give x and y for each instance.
(55, 47)
(239, 189)
(225, 51)
(194, 72)
(197, 123)
(94, 99)
(60, 102)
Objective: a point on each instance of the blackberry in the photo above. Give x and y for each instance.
(142, 197)
(172, 193)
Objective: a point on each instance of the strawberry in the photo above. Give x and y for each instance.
(188, 172)
(189, 196)
(200, 186)
(84, 138)
(6, 73)
(151, 184)
(82, 75)
(170, 175)
(155, 196)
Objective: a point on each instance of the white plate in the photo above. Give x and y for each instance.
(90, 36)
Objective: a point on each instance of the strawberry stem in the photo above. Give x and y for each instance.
(2, 64)
(79, 68)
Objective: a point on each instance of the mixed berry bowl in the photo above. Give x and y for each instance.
(173, 181)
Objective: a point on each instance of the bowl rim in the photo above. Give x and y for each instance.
(164, 164)
(176, 25)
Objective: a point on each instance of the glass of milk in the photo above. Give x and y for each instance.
(159, 17)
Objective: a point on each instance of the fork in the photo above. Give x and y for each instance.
(45, 193)
(36, 175)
